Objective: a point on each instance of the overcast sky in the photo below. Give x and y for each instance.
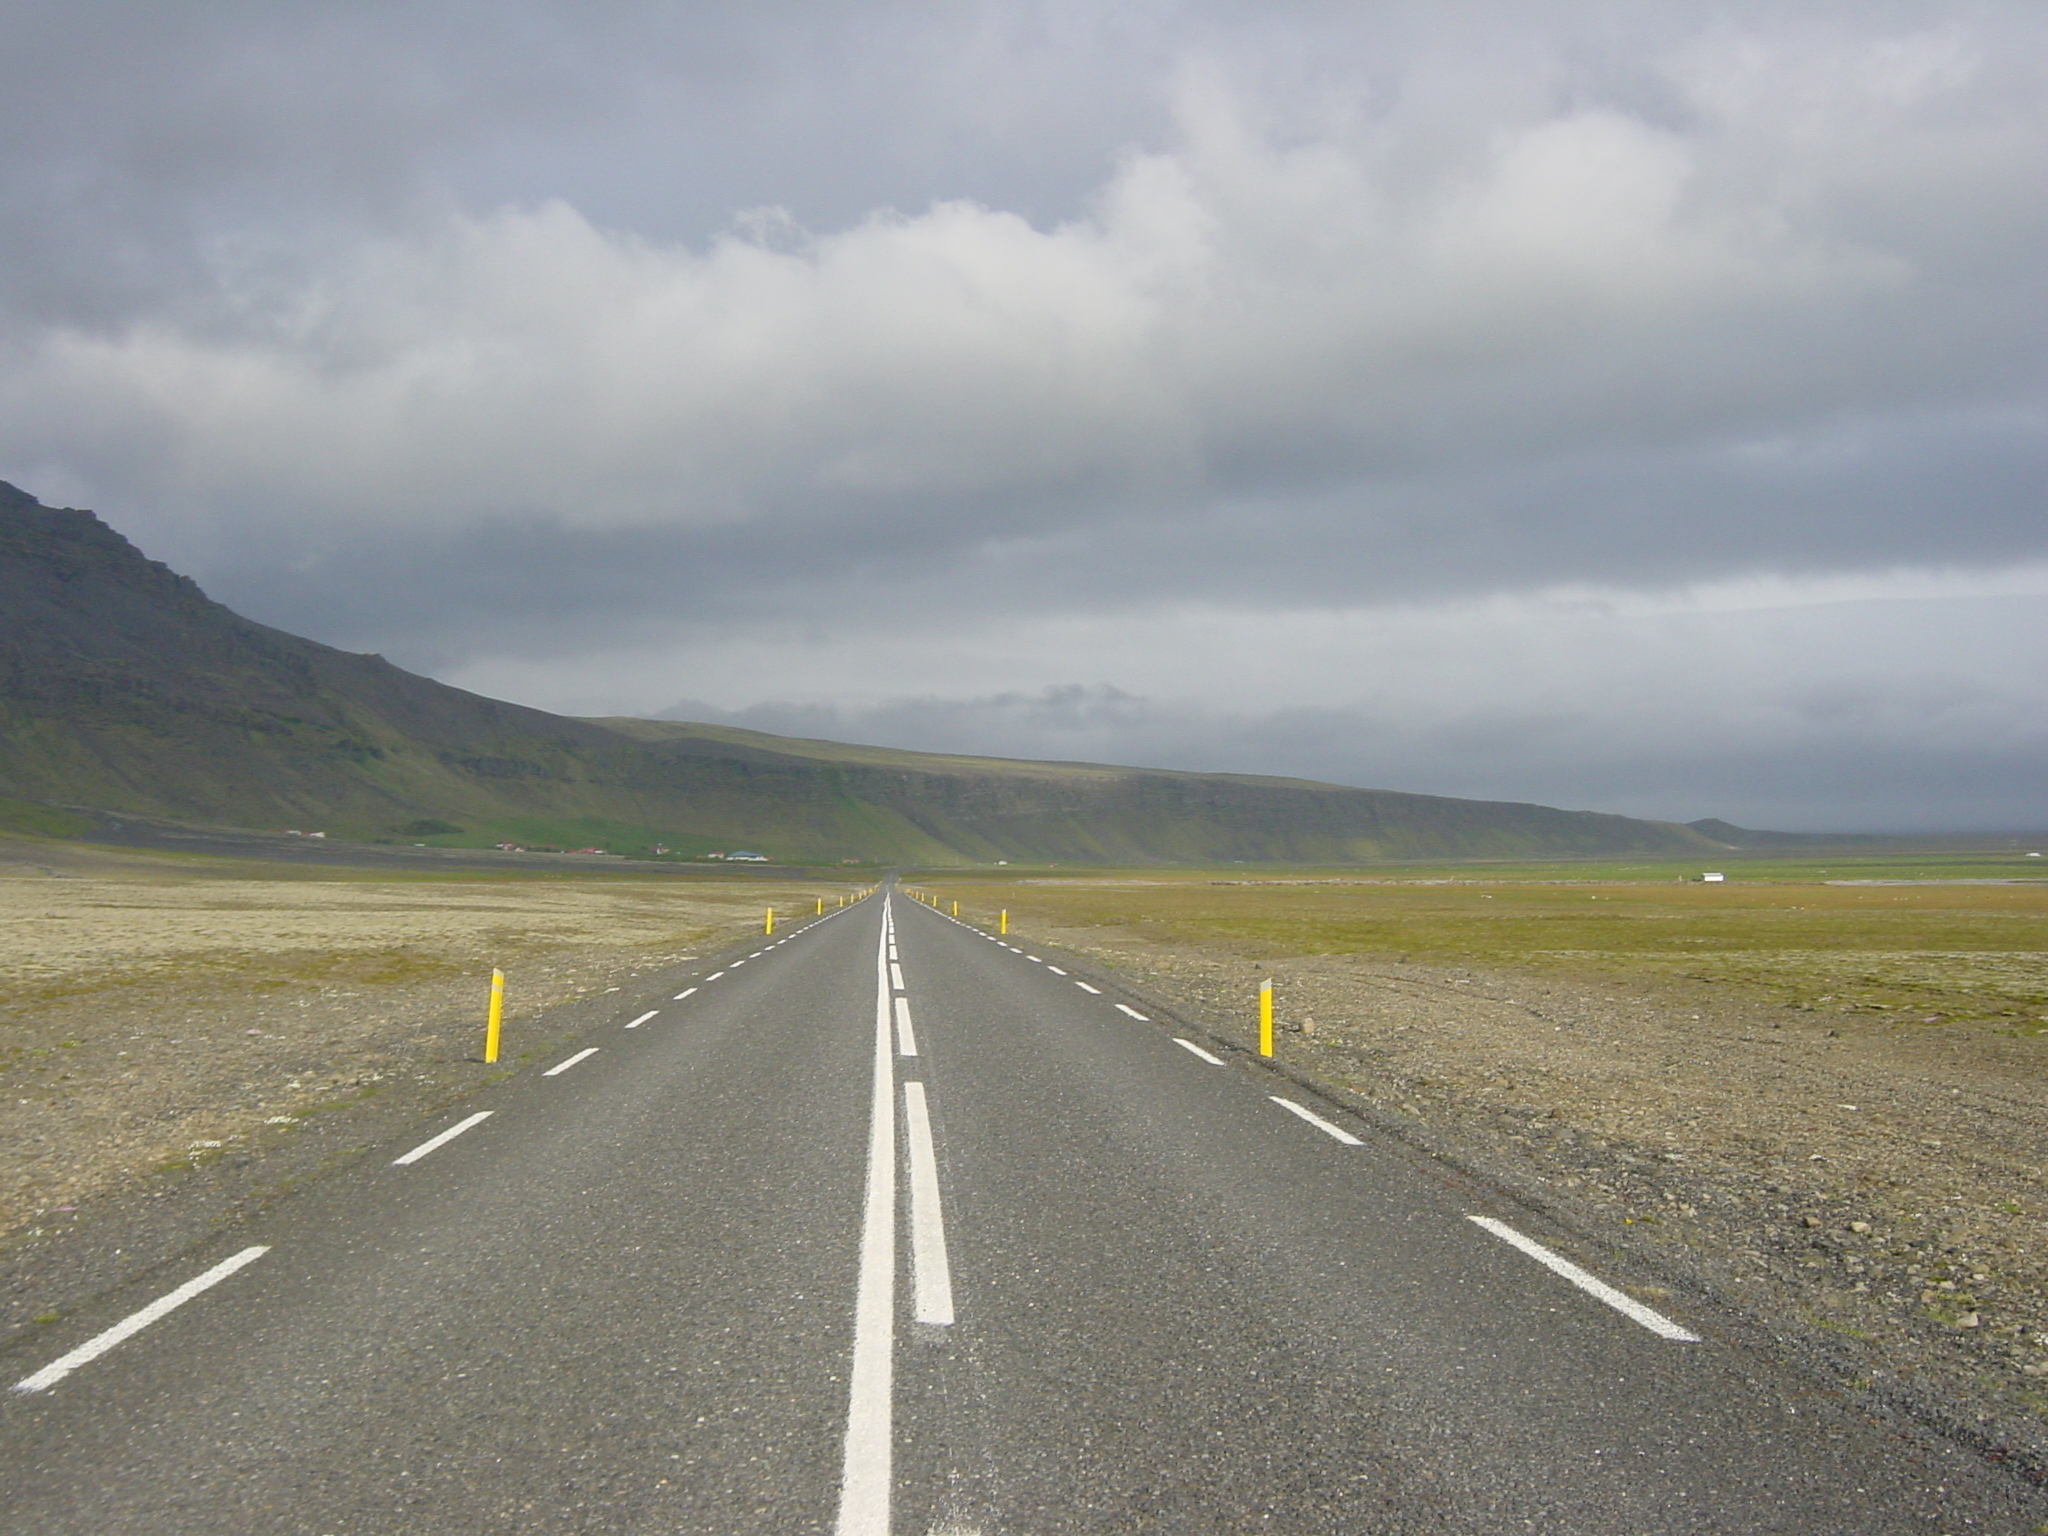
(1636, 407)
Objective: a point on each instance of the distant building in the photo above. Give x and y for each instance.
(748, 858)
(1713, 879)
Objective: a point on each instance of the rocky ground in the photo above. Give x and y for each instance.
(179, 1047)
(1869, 1193)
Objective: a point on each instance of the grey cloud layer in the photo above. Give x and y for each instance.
(1864, 715)
(503, 341)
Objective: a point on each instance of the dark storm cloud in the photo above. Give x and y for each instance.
(518, 341)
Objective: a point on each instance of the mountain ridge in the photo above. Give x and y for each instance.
(124, 687)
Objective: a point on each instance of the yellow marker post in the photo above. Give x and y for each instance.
(956, 909)
(1003, 921)
(821, 906)
(1265, 1018)
(768, 922)
(496, 1017)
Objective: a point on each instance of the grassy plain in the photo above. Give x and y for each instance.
(1929, 938)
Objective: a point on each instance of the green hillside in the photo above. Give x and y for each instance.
(123, 687)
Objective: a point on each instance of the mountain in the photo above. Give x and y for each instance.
(1729, 835)
(123, 687)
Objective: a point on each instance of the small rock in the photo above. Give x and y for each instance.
(1859, 1226)
(1969, 1320)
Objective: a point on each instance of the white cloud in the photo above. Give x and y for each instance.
(1240, 312)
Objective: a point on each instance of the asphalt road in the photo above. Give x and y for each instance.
(943, 1241)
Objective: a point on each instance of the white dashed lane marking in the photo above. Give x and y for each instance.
(1591, 1284)
(135, 1322)
(1126, 1008)
(562, 1066)
(1189, 1045)
(931, 1274)
(1334, 1132)
(443, 1139)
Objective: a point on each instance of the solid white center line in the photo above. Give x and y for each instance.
(933, 1276)
(1127, 1008)
(562, 1066)
(906, 1040)
(686, 992)
(649, 1014)
(1086, 988)
(1056, 970)
(1592, 1285)
(444, 1138)
(1336, 1132)
(896, 977)
(135, 1322)
(1189, 1045)
(867, 1466)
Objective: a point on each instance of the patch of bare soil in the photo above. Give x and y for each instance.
(1871, 1193)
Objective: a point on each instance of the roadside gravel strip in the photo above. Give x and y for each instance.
(181, 1046)
(1872, 1203)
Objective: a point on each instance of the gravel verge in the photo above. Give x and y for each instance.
(1868, 1196)
(178, 1050)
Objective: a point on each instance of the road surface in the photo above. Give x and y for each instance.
(894, 1226)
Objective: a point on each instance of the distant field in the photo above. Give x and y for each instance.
(1804, 932)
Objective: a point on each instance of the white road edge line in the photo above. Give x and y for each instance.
(1335, 1132)
(933, 1276)
(562, 1066)
(1189, 1045)
(867, 1467)
(1127, 1008)
(714, 976)
(1056, 970)
(652, 1013)
(1592, 1285)
(906, 1038)
(442, 1140)
(135, 1322)
(686, 992)
(1097, 991)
